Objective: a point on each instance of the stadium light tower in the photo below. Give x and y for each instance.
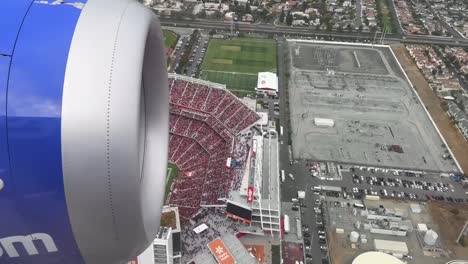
(83, 130)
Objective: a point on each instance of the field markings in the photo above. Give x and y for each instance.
(221, 61)
(233, 73)
(231, 48)
(169, 174)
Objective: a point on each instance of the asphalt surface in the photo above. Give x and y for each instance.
(197, 55)
(178, 52)
(289, 188)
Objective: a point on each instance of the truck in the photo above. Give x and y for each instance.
(331, 188)
(301, 194)
(372, 197)
(298, 228)
(359, 205)
(283, 177)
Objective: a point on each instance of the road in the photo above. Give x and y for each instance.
(289, 188)
(309, 32)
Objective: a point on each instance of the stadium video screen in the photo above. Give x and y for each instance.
(239, 211)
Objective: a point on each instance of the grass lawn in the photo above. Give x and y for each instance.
(172, 172)
(235, 81)
(170, 39)
(236, 62)
(385, 16)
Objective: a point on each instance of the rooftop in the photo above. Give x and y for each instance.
(376, 257)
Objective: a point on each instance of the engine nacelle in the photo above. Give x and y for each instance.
(83, 130)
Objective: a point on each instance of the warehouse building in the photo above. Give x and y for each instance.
(267, 83)
(324, 122)
(390, 246)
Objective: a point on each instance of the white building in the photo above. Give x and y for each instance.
(390, 246)
(267, 83)
(162, 246)
(324, 122)
(147, 257)
(373, 257)
(263, 121)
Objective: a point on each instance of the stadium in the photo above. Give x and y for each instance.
(205, 120)
(227, 168)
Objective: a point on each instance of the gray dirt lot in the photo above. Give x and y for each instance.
(376, 113)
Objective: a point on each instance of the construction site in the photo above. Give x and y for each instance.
(351, 104)
(408, 231)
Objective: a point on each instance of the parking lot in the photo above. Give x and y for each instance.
(404, 179)
(360, 181)
(374, 116)
(196, 54)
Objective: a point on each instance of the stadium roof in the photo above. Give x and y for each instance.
(267, 81)
(235, 247)
(170, 218)
(263, 119)
(373, 257)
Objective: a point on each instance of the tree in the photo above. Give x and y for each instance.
(289, 19)
(349, 28)
(305, 5)
(217, 14)
(366, 21)
(455, 211)
(360, 28)
(281, 17)
(202, 14)
(247, 8)
(444, 106)
(212, 32)
(340, 28)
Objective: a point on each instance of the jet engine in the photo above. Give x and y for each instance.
(83, 130)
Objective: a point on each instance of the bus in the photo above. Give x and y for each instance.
(283, 177)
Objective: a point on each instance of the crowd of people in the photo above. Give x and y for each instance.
(204, 124)
(218, 224)
(220, 103)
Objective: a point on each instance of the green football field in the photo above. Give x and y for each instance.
(236, 62)
(170, 39)
(172, 172)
